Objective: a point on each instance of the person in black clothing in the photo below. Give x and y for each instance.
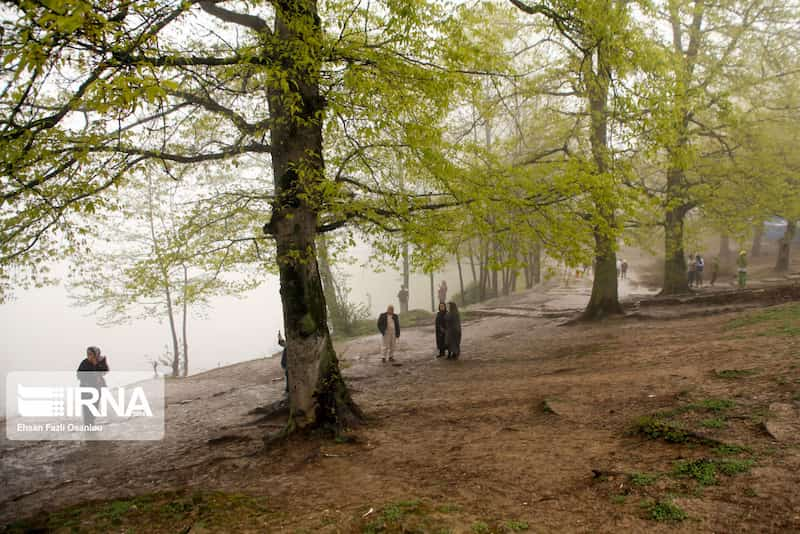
(440, 329)
(282, 343)
(453, 332)
(390, 330)
(91, 374)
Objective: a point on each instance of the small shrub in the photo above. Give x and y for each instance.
(655, 428)
(663, 510)
(703, 471)
(480, 528)
(734, 467)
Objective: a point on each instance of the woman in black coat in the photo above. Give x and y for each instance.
(453, 332)
(441, 327)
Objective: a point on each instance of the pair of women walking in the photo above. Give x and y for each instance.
(448, 331)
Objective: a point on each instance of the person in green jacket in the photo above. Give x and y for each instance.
(741, 263)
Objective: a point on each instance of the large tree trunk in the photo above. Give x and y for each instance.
(785, 247)
(604, 300)
(758, 236)
(318, 396)
(675, 277)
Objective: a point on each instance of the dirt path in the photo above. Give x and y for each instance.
(513, 430)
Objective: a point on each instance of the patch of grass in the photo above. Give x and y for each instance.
(619, 499)
(480, 528)
(783, 321)
(734, 467)
(663, 510)
(655, 428)
(448, 508)
(715, 422)
(408, 516)
(162, 511)
(516, 526)
(714, 405)
(643, 479)
(750, 492)
(703, 471)
(735, 373)
(729, 450)
(796, 396)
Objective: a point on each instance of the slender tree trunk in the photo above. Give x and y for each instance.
(433, 295)
(725, 252)
(336, 313)
(406, 279)
(173, 330)
(758, 236)
(785, 247)
(537, 263)
(318, 396)
(185, 321)
(472, 263)
(528, 270)
(461, 279)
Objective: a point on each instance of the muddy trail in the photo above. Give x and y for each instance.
(580, 428)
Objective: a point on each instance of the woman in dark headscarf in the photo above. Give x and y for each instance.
(441, 327)
(453, 332)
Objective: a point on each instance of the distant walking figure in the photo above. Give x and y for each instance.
(699, 265)
(623, 268)
(389, 327)
(741, 263)
(443, 291)
(453, 331)
(714, 270)
(91, 374)
(441, 329)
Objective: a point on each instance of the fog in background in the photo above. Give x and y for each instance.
(41, 331)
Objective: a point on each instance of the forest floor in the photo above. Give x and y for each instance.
(683, 416)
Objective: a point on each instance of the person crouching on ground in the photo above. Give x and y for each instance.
(91, 374)
(441, 329)
(389, 327)
(453, 332)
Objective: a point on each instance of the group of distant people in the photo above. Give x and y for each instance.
(447, 329)
(696, 267)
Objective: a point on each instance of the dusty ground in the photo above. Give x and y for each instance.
(530, 430)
